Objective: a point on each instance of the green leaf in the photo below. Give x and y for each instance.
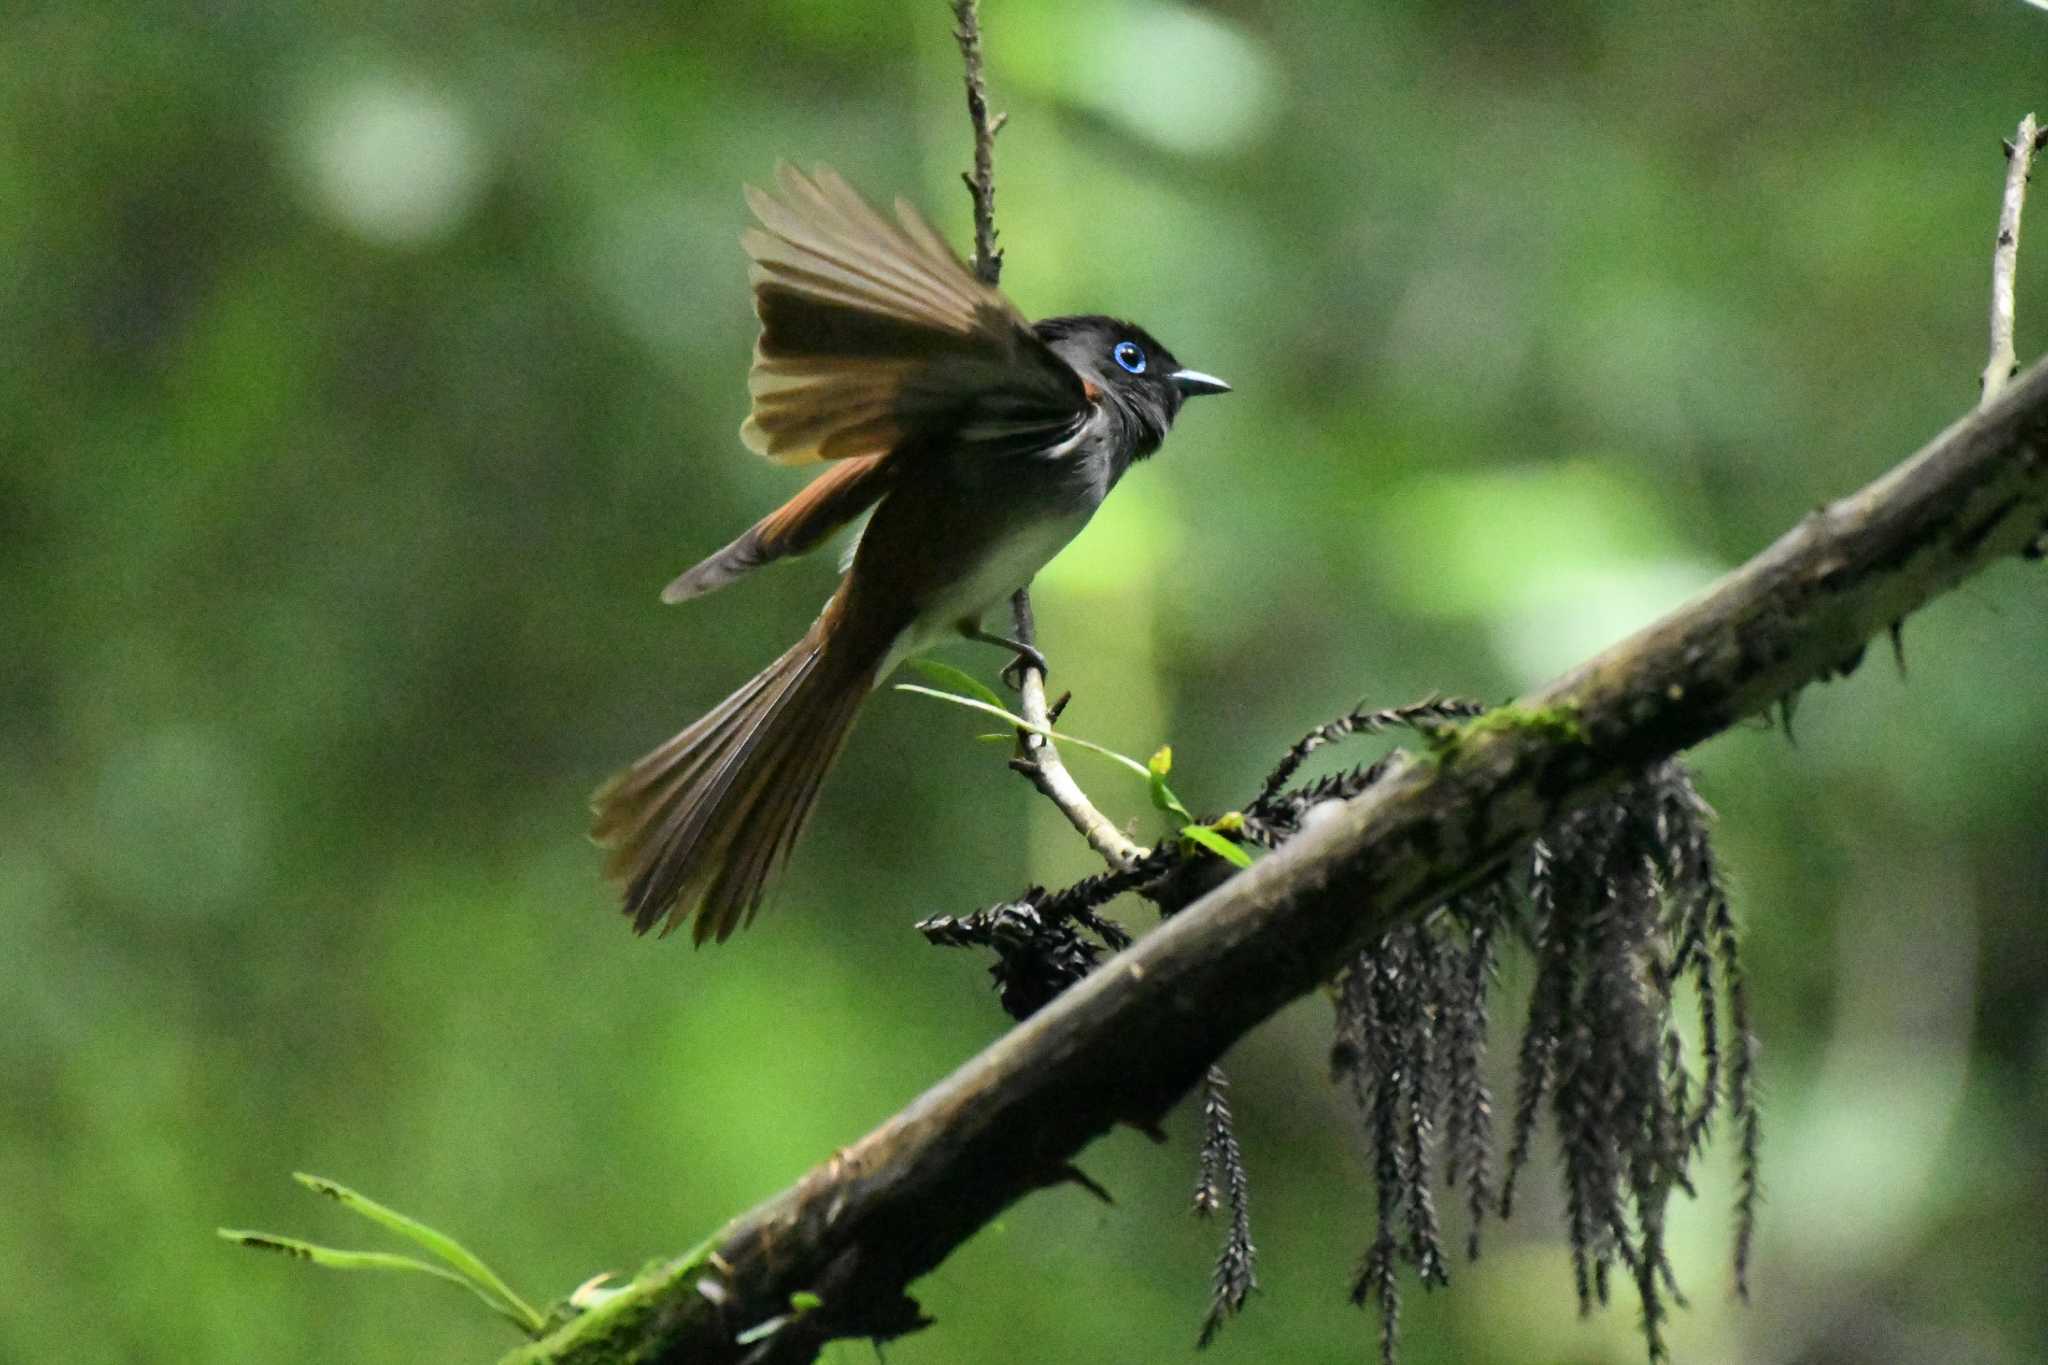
(1153, 770)
(1164, 799)
(334, 1258)
(1058, 736)
(464, 1261)
(804, 1301)
(945, 675)
(1223, 848)
(1158, 766)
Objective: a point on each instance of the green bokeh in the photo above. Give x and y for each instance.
(369, 368)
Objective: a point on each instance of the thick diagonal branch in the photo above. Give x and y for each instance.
(1129, 1041)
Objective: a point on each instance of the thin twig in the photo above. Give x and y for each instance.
(981, 182)
(2019, 157)
(1037, 757)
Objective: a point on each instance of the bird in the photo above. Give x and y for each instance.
(977, 444)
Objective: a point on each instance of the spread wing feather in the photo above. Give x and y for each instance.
(873, 331)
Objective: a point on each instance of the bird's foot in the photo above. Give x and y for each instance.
(1027, 658)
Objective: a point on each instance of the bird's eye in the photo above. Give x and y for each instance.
(1130, 355)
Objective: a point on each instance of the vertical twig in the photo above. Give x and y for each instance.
(2019, 157)
(1037, 758)
(981, 181)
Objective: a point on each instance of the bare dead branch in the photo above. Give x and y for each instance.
(1129, 1041)
(2019, 157)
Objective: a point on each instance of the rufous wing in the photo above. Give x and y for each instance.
(846, 489)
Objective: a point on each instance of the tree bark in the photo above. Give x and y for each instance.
(1127, 1043)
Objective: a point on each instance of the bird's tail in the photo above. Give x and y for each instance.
(697, 827)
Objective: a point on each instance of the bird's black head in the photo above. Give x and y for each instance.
(1130, 369)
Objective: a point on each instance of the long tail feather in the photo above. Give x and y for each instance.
(698, 827)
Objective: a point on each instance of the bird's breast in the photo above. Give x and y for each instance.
(1029, 505)
(1011, 559)
(968, 526)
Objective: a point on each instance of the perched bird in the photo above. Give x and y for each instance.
(981, 442)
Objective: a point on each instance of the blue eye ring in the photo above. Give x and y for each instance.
(1130, 355)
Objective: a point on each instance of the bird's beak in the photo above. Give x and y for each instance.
(1193, 382)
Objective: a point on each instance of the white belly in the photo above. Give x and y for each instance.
(1014, 562)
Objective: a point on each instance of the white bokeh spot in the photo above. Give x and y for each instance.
(391, 161)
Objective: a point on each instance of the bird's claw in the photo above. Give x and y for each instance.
(1013, 672)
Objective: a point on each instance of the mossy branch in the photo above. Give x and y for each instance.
(1130, 1040)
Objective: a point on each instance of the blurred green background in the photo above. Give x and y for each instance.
(367, 369)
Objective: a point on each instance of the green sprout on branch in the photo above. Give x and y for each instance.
(977, 696)
(460, 1265)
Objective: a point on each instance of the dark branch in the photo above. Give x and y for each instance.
(855, 1232)
(1125, 1044)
